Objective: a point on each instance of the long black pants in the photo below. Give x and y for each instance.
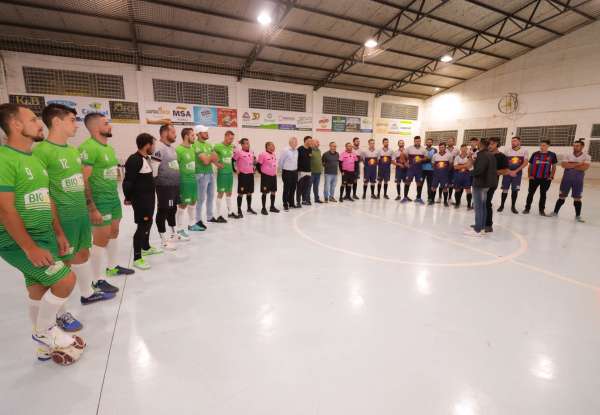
(143, 211)
(544, 185)
(489, 217)
(303, 190)
(290, 180)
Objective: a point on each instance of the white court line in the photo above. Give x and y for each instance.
(499, 259)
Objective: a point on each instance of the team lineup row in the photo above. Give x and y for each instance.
(58, 200)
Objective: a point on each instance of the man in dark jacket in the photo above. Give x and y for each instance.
(484, 177)
(501, 170)
(139, 192)
(304, 172)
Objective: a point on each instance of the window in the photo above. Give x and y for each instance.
(345, 106)
(486, 133)
(595, 131)
(440, 136)
(595, 150)
(399, 111)
(276, 100)
(190, 93)
(559, 135)
(61, 82)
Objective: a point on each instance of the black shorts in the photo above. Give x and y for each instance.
(168, 196)
(245, 183)
(348, 177)
(268, 184)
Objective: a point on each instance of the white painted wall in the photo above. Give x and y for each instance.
(558, 83)
(138, 87)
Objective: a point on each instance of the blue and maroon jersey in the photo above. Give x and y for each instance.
(370, 159)
(540, 164)
(516, 157)
(385, 157)
(416, 156)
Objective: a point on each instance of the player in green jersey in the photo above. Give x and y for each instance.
(224, 164)
(31, 238)
(63, 164)
(188, 190)
(100, 174)
(206, 158)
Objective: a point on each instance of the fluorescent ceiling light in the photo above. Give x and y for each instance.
(446, 58)
(371, 43)
(264, 18)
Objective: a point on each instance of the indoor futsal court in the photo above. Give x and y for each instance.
(300, 207)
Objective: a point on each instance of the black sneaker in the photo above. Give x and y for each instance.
(307, 203)
(119, 270)
(234, 216)
(97, 296)
(488, 229)
(397, 198)
(446, 204)
(408, 198)
(355, 197)
(214, 220)
(350, 199)
(500, 209)
(514, 210)
(526, 211)
(386, 197)
(264, 211)
(542, 213)
(221, 219)
(286, 208)
(274, 209)
(456, 205)
(318, 201)
(251, 211)
(430, 202)
(104, 286)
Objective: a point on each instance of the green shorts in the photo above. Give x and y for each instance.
(46, 276)
(79, 234)
(110, 209)
(188, 193)
(224, 182)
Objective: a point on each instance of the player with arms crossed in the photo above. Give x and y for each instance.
(188, 188)
(224, 153)
(441, 162)
(100, 175)
(31, 238)
(463, 163)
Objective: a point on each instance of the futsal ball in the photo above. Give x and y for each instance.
(66, 356)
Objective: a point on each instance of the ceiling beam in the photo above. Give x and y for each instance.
(455, 24)
(133, 31)
(383, 37)
(432, 66)
(574, 9)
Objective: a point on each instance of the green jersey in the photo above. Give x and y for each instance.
(203, 147)
(24, 175)
(186, 157)
(63, 164)
(225, 154)
(103, 160)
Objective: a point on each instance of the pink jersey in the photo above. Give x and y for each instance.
(244, 161)
(348, 160)
(268, 163)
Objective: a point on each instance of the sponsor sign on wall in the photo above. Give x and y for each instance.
(344, 124)
(124, 112)
(35, 103)
(83, 105)
(275, 120)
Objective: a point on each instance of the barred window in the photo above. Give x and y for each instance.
(190, 92)
(595, 150)
(485, 133)
(345, 106)
(399, 111)
(595, 131)
(74, 83)
(559, 135)
(440, 136)
(276, 100)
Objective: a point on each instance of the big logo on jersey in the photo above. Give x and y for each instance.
(73, 183)
(37, 200)
(372, 162)
(515, 160)
(190, 166)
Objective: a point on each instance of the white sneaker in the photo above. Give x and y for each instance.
(472, 233)
(53, 338)
(182, 235)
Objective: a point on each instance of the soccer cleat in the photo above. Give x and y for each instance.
(500, 209)
(273, 209)
(182, 235)
(213, 220)
(251, 211)
(419, 201)
(405, 200)
(514, 210)
(152, 251)
(97, 296)
(141, 264)
(221, 219)
(119, 270)
(579, 219)
(198, 224)
(526, 211)
(104, 286)
(63, 348)
(67, 322)
(264, 211)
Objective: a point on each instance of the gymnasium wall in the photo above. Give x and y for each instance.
(139, 88)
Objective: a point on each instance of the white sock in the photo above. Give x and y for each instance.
(34, 308)
(49, 306)
(180, 219)
(85, 276)
(192, 214)
(112, 252)
(228, 201)
(219, 204)
(98, 262)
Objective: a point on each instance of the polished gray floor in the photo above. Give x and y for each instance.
(371, 307)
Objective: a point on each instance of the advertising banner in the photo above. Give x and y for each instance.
(275, 120)
(83, 105)
(124, 112)
(35, 103)
(227, 117)
(165, 113)
(206, 116)
(338, 123)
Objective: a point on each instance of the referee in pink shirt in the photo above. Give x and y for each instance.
(244, 165)
(347, 163)
(267, 166)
